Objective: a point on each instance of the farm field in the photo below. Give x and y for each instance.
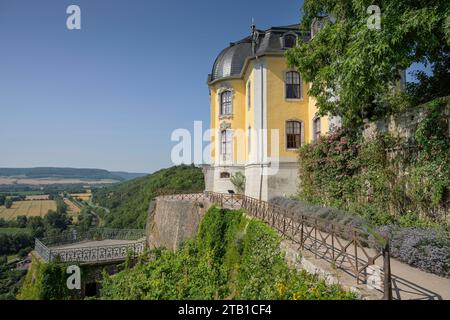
(72, 209)
(37, 197)
(30, 208)
(82, 196)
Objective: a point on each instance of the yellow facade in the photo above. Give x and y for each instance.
(253, 71)
(279, 109)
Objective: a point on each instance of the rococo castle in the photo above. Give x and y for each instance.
(261, 114)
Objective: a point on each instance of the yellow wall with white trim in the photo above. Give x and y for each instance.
(279, 110)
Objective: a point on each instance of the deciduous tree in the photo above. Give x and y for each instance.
(354, 67)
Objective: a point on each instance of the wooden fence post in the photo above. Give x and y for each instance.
(332, 242)
(302, 241)
(387, 272)
(355, 244)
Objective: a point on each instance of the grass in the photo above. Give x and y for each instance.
(22, 193)
(10, 231)
(12, 257)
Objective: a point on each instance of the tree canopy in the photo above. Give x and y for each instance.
(353, 68)
(128, 202)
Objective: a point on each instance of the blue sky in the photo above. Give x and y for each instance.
(110, 95)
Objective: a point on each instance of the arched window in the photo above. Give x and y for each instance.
(225, 141)
(293, 85)
(293, 134)
(316, 129)
(225, 103)
(290, 40)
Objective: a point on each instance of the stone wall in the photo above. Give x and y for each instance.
(171, 222)
(402, 126)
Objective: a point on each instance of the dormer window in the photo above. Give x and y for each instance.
(289, 40)
(226, 103)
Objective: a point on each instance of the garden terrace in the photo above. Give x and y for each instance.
(92, 247)
(359, 252)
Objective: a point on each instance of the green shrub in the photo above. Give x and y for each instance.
(233, 257)
(128, 202)
(384, 180)
(46, 281)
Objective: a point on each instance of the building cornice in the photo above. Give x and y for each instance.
(244, 69)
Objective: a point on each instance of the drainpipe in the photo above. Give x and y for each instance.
(262, 130)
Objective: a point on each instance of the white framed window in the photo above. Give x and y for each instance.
(226, 144)
(293, 134)
(226, 98)
(293, 85)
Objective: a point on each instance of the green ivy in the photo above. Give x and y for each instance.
(46, 281)
(346, 171)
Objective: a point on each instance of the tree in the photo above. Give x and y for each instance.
(3, 223)
(238, 181)
(8, 203)
(22, 221)
(2, 200)
(353, 68)
(57, 220)
(36, 224)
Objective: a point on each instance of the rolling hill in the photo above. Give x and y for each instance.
(67, 173)
(128, 202)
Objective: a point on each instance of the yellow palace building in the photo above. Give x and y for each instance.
(260, 114)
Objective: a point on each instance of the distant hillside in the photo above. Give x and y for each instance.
(67, 173)
(128, 175)
(129, 201)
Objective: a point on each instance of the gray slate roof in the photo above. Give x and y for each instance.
(231, 60)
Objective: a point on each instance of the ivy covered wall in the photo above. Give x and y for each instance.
(386, 178)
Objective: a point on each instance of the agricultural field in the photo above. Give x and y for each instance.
(38, 197)
(82, 196)
(72, 209)
(31, 208)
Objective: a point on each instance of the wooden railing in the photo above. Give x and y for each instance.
(359, 252)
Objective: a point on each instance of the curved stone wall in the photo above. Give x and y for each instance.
(172, 222)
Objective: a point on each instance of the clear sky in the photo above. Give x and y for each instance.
(110, 95)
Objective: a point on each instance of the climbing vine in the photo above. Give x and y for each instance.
(383, 179)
